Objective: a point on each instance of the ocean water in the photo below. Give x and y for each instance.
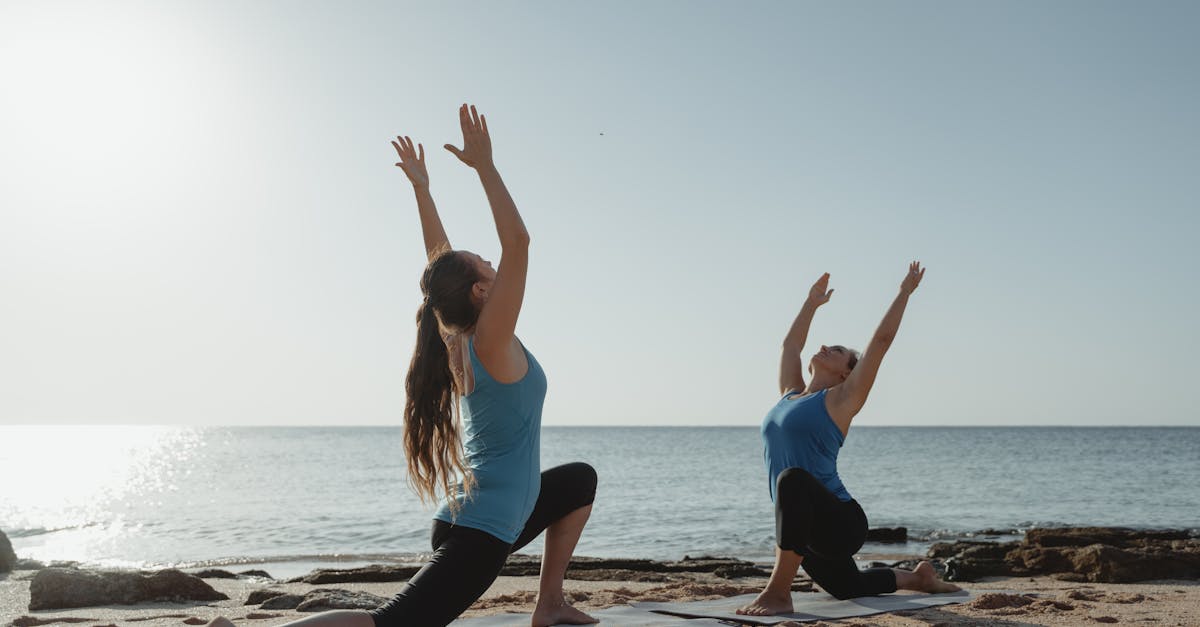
(296, 497)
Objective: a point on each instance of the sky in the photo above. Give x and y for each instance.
(200, 221)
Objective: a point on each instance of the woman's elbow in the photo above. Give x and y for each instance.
(516, 240)
(882, 341)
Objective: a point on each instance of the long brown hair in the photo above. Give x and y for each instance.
(432, 444)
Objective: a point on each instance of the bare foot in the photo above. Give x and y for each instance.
(768, 604)
(559, 613)
(929, 581)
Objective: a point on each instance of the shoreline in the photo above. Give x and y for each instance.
(1051, 576)
(1023, 601)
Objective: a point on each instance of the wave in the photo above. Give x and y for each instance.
(41, 531)
(406, 559)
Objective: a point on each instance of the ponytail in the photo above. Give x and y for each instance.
(432, 444)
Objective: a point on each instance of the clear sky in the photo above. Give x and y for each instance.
(200, 222)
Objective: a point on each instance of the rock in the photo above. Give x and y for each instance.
(1113, 565)
(972, 560)
(256, 573)
(8, 559)
(581, 568)
(282, 602)
(1034, 560)
(1079, 554)
(1112, 536)
(215, 573)
(998, 600)
(950, 549)
(262, 596)
(59, 588)
(888, 535)
(702, 564)
(615, 574)
(323, 599)
(958, 569)
(376, 573)
(996, 532)
(734, 571)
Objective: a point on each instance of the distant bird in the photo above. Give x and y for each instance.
(601, 132)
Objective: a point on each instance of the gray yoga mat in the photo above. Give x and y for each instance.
(620, 615)
(808, 606)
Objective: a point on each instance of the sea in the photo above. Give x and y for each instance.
(294, 498)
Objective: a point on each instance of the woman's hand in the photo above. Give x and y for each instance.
(818, 294)
(477, 144)
(412, 161)
(915, 273)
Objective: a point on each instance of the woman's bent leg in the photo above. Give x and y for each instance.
(464, 564)
(565, 489)
(836, 537)
(841, 577)
(800, 503)
(563, 506)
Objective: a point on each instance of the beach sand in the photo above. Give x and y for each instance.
(1052, 602)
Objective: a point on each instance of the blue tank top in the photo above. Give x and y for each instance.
(800, 433)
(502, 426)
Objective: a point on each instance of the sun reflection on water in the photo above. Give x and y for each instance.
(68, 488)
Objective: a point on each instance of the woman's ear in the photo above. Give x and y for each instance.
(479, 292)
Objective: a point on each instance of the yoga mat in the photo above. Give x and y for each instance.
(621, 615)
(808, 606)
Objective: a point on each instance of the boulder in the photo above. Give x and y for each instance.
(888, 535)
(256, 573)
(282, 602)
(59, 588)
(259, 597)
(8, 559)
(215, 573)
(323, 599)
(376, 573)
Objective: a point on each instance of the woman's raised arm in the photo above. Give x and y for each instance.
(847, 398)
(498, 319)
(791, 363)
(412, 161)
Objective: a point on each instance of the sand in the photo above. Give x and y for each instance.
(1037, 601)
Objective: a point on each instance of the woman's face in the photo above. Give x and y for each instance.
(835, 359)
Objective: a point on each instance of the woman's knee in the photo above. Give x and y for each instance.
(792, 480)
(579, 478)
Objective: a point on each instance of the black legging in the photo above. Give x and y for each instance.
(811, 521)
(466, 561)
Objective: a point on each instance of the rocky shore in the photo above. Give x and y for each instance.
(1055, 575)
(1080, 554)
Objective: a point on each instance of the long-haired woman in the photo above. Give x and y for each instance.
(495, 497)
(818, 526)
